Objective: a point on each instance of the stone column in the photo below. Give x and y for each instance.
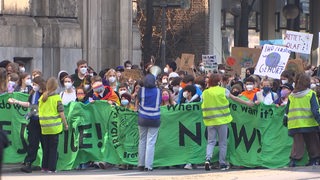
(215, 36)
(315, 29)
(125, 31)
(268, 24)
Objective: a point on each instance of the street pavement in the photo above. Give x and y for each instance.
(11, 172)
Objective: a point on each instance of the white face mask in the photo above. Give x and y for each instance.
(86, 87)
(165, 70)
(67, 85)
(22, 69)
(284, 81)
(175, 89)
(83, 70)
(91, 74)
(112, 79)
(201, 68)
(185, 94)
(36, 88)
(28, 82)
(11, 83)
(249, 87)
(164, 81)
(122, 92)
(222, 71)
(312, 86)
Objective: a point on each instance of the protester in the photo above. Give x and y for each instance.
(149, 99)
(81, 95)
(33, 127)
(12, 68)
(287, 76)
(284, 94)
(61, 75)
(265, 96)
(127, 64)
(24, 83)
(111, 77)
(188, 80)
(106, 93)
(136, 87)
(167, 99)
(250, 89)
(3, 81)
(175, 87)
(51, 117)
(69, 93)
(216, 116)
(13, 79)
(303, 121)
(35, 73)
(80, 73)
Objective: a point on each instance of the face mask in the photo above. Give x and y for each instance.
(22, 69)
(122, 92)
(28, 82)
(99, 90)
(201, 68)
(165, 70)
(36, 88)
(112, 79)
(165, 97)
(235, 93)
(91, 74)
(312, 86)
(249, 87)
(86, 87)
(317, 84)
(83, 70)
(164, 81)
(67, 85)
(284, 81)
(80, 97)
(266, 89)
(11, 83)
(222, 71)
(124, 102)
(175, 89)
(185, 94)
(284, 93)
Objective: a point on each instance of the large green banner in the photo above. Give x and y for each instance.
(100, 132)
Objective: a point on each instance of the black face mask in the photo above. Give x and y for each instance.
(235, 93)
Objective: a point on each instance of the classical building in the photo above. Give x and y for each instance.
(52, 35)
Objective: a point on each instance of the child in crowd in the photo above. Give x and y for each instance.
(250, 89)
(286, 90)
(265, 95)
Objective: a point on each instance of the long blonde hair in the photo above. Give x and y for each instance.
(51, 86)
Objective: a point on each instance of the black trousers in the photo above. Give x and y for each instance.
(50, 152)
(34, 137)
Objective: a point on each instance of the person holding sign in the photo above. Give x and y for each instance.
(216, 116)
(303, 121)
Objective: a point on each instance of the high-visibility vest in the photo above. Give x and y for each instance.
(49, 118)
(300, 115)
(150, 102)
(215, 107)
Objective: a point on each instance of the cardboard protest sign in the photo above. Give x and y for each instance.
(186, 63)
(210, 63)
(296, 65)
(272, 61)
(132, 73)
(242, 57)
(298, 42)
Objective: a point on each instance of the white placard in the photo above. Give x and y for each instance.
(298, 42)
(210, 63)
(272, 61)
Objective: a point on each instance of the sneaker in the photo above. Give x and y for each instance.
(26, 168)
(207, 165)
(44, 170)
(188, 166)
(224, 167)
(292, 163)
(51, 171)
(148, 169)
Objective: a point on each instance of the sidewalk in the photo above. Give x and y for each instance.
(7, 168)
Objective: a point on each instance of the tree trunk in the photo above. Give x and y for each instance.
(244, 24)
(147, 38)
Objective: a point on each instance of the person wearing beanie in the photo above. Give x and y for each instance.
(33, 127)
(148, 103)
(101, 92)
(126, 101)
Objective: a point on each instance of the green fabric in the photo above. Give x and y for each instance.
(100, 132)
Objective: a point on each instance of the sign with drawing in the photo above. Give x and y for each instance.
(272, 61)
(298, 42)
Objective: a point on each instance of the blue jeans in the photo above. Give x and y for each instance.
(147, 142)
(222, 131)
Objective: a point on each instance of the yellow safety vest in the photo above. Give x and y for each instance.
(300, 115)
(49, 118)
(215, 107)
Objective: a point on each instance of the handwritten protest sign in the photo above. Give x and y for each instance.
(132, 73)
(210, 63)
(298, 42)
(272, 61)
(242, 57)
(186, 63)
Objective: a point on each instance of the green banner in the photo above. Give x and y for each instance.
(100, 132)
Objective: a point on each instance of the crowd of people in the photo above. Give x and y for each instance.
(299, 92)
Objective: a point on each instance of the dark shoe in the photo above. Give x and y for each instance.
(26, 168)
(130, 167)
(148, 169)
(312, 162)
(207, 165)
(224, 167)
(141, 168)
(292, 163)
